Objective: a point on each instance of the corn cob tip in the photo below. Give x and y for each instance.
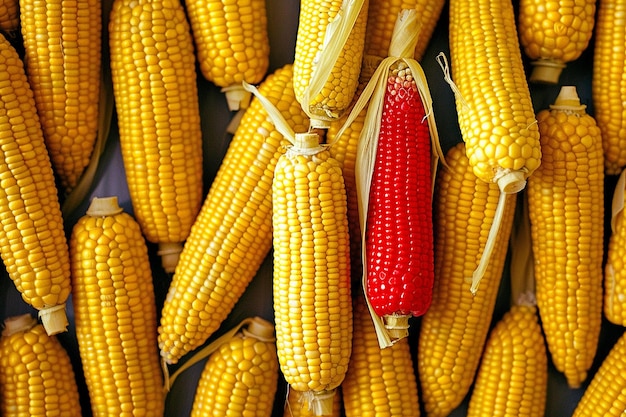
(103, 206)
(54, 319)
(546, 71)
(17, 324)
(320, 402)
(306, 142)
(316, 123)
(568, 100)
(169, 253)
(237, 97)
(260, 329)
(109, 206)
(510, 182)
(397, 325)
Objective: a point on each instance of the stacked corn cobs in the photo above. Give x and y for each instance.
(568, 180)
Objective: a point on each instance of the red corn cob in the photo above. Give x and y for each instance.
(394, 172)
(399, 236)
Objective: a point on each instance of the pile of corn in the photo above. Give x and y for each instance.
(336, 208)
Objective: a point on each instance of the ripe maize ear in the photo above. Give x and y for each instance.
(232, 44)
(614, 271)
(513, 376)
(311, 284)
(296, 405)
(455, 327)
(328, 54)
(33, 244)
(606, 393)
(36, 375)
(62, 45)
(494, 107)
(241, 376)
(608, 87)
(554, 33)
(379, 382)
(567, 227)
(394, 187)
(9, 16)
(232, 234)
(115, 313)
(154, 84)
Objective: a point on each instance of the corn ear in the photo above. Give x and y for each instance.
(567, 225)
(33, 244)
(115, 312)
(614, 271)
(9, 16)
(232, 44)
(494, 107)
(554, 33)
(384, 102)
(241, 374)
(328, 54)
(159, 118)
(312, 296)
(606, 393)
(608, 83)
(454, 329)
(36, 374)
(62, 45)
(379, 381)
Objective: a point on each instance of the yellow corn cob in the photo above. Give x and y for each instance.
(325, 86)
(312, 302)
(154, 83)
(554, 33)
(513, 375)
(379, 382)
(567, 226)
(36, 375)
(606, 393)
(493, 101)
(455, 327)
(614, 271)
(232, 234)
(297, 406)
(382, 18)
(232, 44)
(115, 313)
(609, 82)
(33, 244)
(62, 43)
(241, 376)
(9, 16)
